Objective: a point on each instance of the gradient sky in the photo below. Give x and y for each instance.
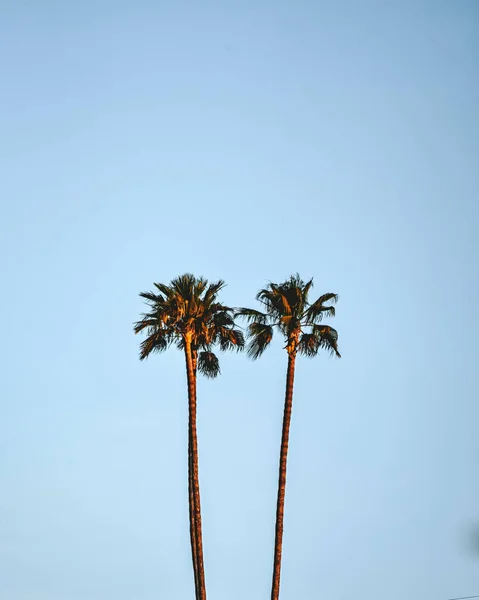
(246, 141)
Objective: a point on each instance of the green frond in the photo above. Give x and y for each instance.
(322, 336)
(260, 338)
(215, 307)
(318, 310)
(294, 298)
(212, 291)
(184, 286)
(165, 290)
(272, 302)
(223, 318)
(283, 298)
(151, 298)
(326, 298)
(230, 339)
(328, 338)
(239, 340)
(295, 281)
(296, 291)
(315, 315)
(287, 298)
(153, 343)
(309, 344)
(250, 315)
(145, 323)
(180, 342)
(208, 364)
(199, 286)
(305, 292)
(287, 324)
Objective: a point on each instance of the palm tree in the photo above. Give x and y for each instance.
(186, 313)
(287, 309)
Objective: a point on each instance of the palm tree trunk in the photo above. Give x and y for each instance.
(193, 481)
(191, 499)
(191, 503)
(278, 542)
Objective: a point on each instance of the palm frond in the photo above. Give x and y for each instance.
(151, 298)
(239, 340)
(318, 310)
(146, 322)
(283, 297)
(166, 290)
(295, 281)
(309, 344)
(184, 286)
(305, 292)
(286, 298)
(249, 314)
(287, 324)
(294, 297)
(180, 342)
(260, 338)
(326, 298)
(328, 338)
(153, 343)
(223, 318)
(208, 364)
(212, 291)
(199, 286)
(230, 339)
(272, 301)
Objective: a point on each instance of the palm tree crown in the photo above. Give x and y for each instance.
(187, 310)
(287, 308)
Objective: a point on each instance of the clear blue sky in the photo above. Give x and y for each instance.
(239, 140)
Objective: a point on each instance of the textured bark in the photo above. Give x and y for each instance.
(278, 542)
(191, 503)
(193, 480)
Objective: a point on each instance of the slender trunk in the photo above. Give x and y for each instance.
(278, 542)
(193, 480)
(191, 503)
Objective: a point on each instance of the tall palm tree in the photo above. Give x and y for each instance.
(186, 313)
(287, 309)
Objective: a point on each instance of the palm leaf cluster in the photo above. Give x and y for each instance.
(286, 308)
(188, 309)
